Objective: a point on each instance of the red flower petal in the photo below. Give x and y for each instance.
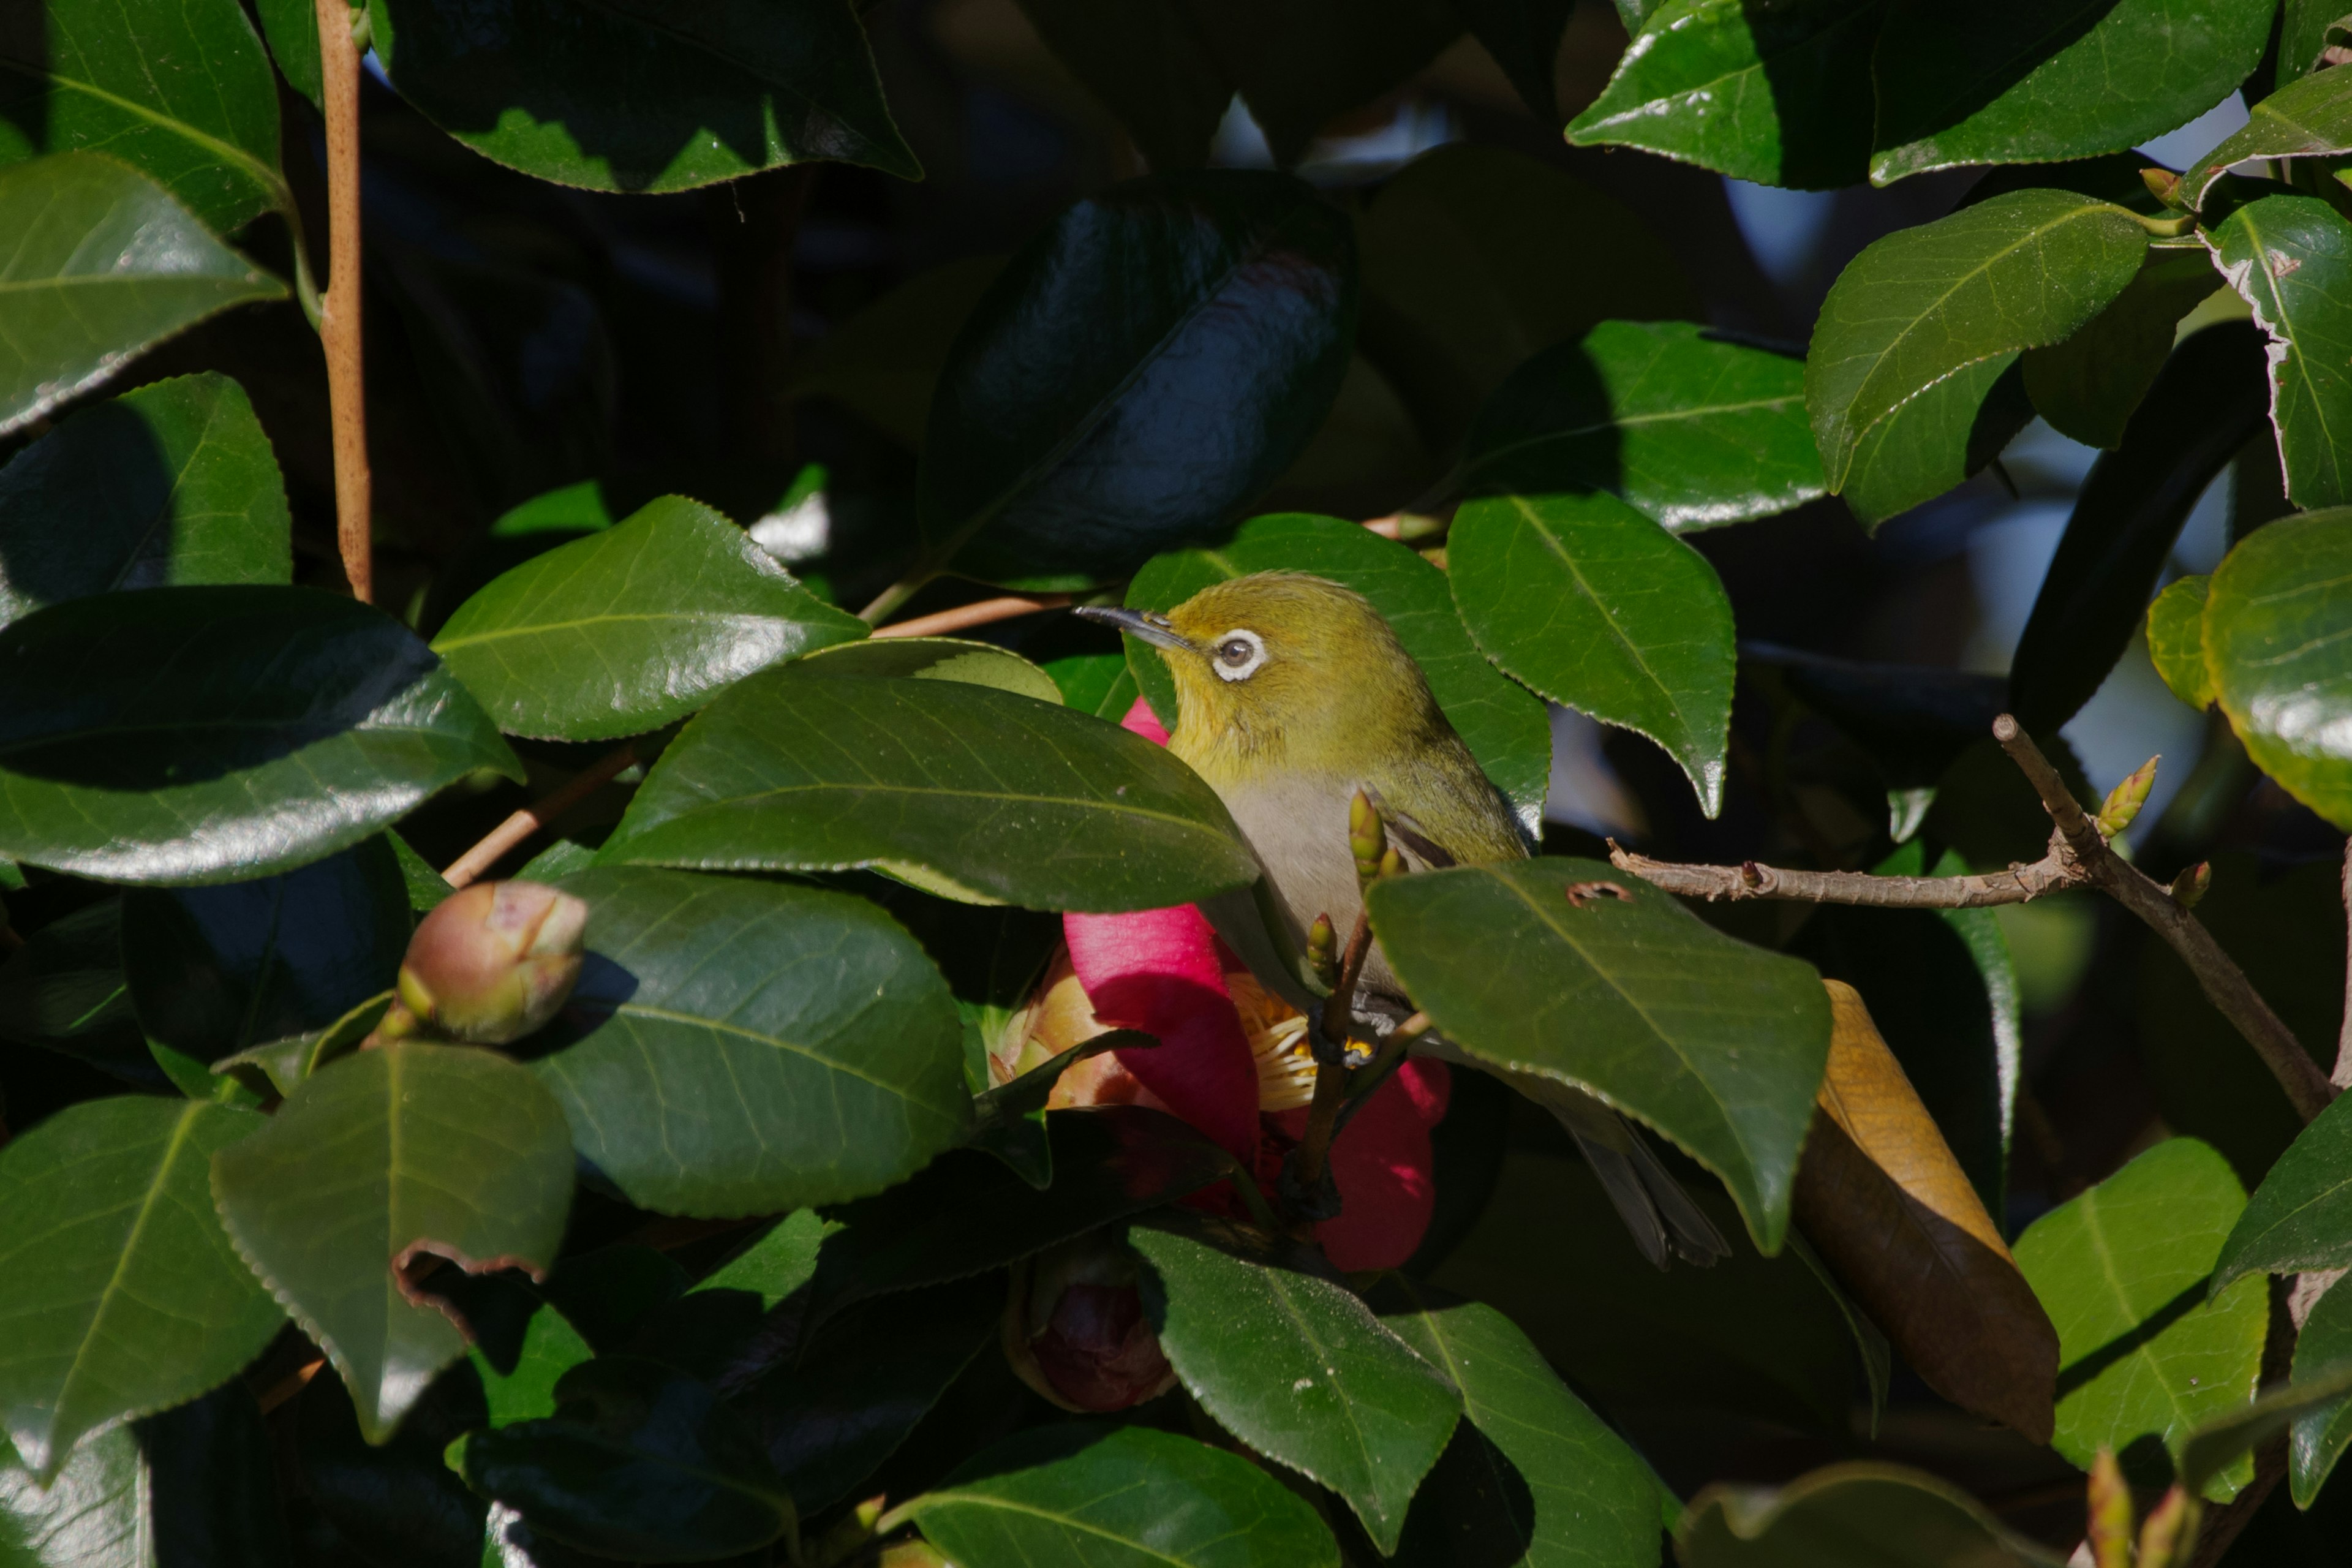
(1382, 1162)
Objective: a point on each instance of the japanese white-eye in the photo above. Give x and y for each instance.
(1293, 696)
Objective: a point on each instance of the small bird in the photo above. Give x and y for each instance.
(1293, 695)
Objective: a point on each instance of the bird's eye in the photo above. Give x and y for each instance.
(1239, 655)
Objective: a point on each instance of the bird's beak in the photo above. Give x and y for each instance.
(1152, 628)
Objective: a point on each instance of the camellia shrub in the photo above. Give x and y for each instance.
(674, 893)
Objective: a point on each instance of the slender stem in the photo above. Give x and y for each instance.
(974, 615)
(536, 815)
(2342, 1076)
(1331, 1068)
(339, 312)
(1751, 880)
(897, 593)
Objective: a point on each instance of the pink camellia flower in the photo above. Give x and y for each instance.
(1232, 1060)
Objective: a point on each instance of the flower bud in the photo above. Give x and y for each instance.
(2123, 803)
(2188, 888)
(1368, 836)
(1323, 950)
(492, 963)
(1074, 1329)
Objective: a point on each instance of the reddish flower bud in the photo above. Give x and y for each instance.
(1075, 1329)
(490, 963)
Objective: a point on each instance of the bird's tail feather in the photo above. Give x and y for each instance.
(1663, 1219)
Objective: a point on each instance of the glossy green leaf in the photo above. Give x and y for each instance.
(2088, 387)
(964, 791)
(1596, 606)
(1296, 1366)
(213, 971)
(426, 887)
(2300, 1218)
(2207, 405)
(1717, 1045)
(939, 658)
(2307, 118)
(173, 483)
(754, 1046)
(1148, 64)
(1593, 1500)
(2324, 1346)
(628, 629)
(1477, 257)
(1126, 1496)
(271, 1071)
(125, 1296)
(291, 27)
(2021, 82)
(1848, 1516)
(101, 263)
(94, 1515)
(883, 362)
(1502, 724)
(969, 1213)
(638, 96)
(639, 1461)
(374, 1162)
(2221, 1442)
(781, 1261)
(1780, 96)
(2122, 1272)
(2176, 640)
(1098, 683)
(2291, 257)
(2280, 660)
(2016, 272)
(1694, 430)
(855, 1390)
(285, 723)
(1946, 433)
(64, 990)
(2304, 27)
(525, 1391)
(183, 95)
(1137, 375)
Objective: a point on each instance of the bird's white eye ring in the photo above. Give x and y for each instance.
(1238, 653)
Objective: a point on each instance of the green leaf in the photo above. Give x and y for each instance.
(1502, 724)
(939, 658)
(2279, 657)
(861, 1383)
(374, 1162)
(1717, 1045)
(1096, 683)
(214, 734)
(1593, 1500)
(2021, 82)
(1848, 1516)
(2088, 386)
(883, 362)
(171, 483)
(1694, 430)
(2300, 1218)
(1148, 63)
(1597, 608)
(183, 95)
(2176, 640)
(2291, 257)
(754, 1046)
(1778, 96)
(1524, 36)
(967, 792)
(2320, 1436)
(628, 629)
(1126, 1496)
(640, 1461)
(1943, 435)
(637, 96)
(103, 264)
(64, 990)
(969, 1213)
(2016, 272)
(526, 1392)
(291, 29)
(1475, 258)
(2220, 1442)
(125, 1296)
(781, 1261)
(94, 1515)
(272, 1070)
(2206, 406)
(1138, 373)
(426, 887)
(1296, 1366)
(213, 971)
(2122, 1272)
(2307, 118)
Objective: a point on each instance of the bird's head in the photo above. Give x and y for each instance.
(1281, 666)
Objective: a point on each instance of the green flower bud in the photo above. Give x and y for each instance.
(2123, 803)
(492, 963)
(1368, 836)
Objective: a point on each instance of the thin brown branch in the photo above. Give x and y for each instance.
(340, 312)
(2079, 856)
(1331, 1070)
(536, 815)
(964, 616)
